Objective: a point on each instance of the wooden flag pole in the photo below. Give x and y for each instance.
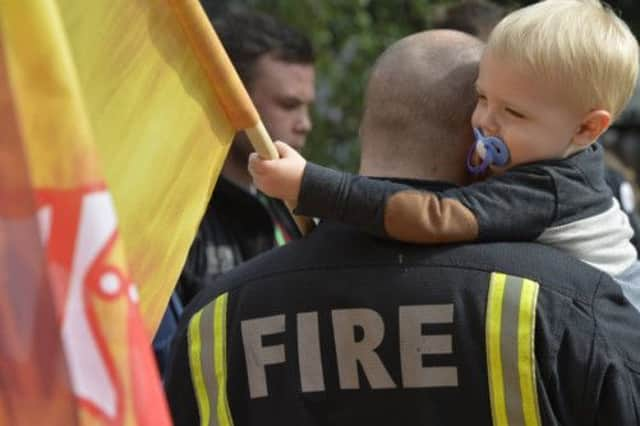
(261, 142)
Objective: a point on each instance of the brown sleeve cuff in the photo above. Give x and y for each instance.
(422, 217)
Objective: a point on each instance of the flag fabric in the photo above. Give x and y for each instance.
(35, 382)
(115, 118)
(74, 348)
(160, 131)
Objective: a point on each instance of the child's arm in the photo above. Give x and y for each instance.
(321, 192)
(317, 191)
(516, 206)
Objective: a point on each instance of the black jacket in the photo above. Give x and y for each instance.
(341, 328)
(237, 226)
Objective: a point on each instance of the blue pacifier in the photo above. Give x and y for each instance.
(490, 148)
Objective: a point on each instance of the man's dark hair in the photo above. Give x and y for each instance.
(248, 35)
(475, 17)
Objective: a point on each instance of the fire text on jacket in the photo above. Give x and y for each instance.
(351, 352)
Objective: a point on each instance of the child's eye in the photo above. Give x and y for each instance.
(514, 113)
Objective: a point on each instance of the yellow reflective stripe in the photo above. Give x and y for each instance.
(494, 354)
(526, 355)
(195, 364)
(509, 347)
(220, 348)
(208, 361)
(510, 334)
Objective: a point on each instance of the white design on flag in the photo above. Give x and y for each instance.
(110, 283)
(96, 226)
(44, 222)
(134, 296)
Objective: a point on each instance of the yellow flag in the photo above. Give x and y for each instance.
(161, 134)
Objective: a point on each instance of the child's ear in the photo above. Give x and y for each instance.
(591, 127)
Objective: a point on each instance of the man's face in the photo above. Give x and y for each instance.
(531, 115)
(283, 93)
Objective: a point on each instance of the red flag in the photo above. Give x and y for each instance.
(35, 386)
(73, 346)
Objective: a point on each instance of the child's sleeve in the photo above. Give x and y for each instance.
(518, 205)
(514, 206)
(355, 200)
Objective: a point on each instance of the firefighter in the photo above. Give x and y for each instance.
(342, 328)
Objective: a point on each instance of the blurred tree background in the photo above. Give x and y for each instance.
(348, 35)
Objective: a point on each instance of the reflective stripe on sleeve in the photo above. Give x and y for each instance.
(220, 339)
(510, 332)
(207, 338)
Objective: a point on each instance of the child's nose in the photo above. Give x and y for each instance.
(488, 124)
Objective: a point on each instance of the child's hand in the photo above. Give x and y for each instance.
(279, 178)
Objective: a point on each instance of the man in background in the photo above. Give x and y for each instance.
(276, 64)
(475, 17)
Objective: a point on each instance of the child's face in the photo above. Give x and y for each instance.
(529, 114)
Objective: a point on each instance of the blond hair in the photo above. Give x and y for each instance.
(580, 44)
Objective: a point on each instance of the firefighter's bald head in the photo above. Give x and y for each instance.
(418, 105)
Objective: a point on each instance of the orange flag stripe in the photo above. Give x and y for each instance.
(31, 354)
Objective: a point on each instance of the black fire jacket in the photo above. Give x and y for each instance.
(342, 328)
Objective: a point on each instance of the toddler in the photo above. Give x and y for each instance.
(553, 77)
